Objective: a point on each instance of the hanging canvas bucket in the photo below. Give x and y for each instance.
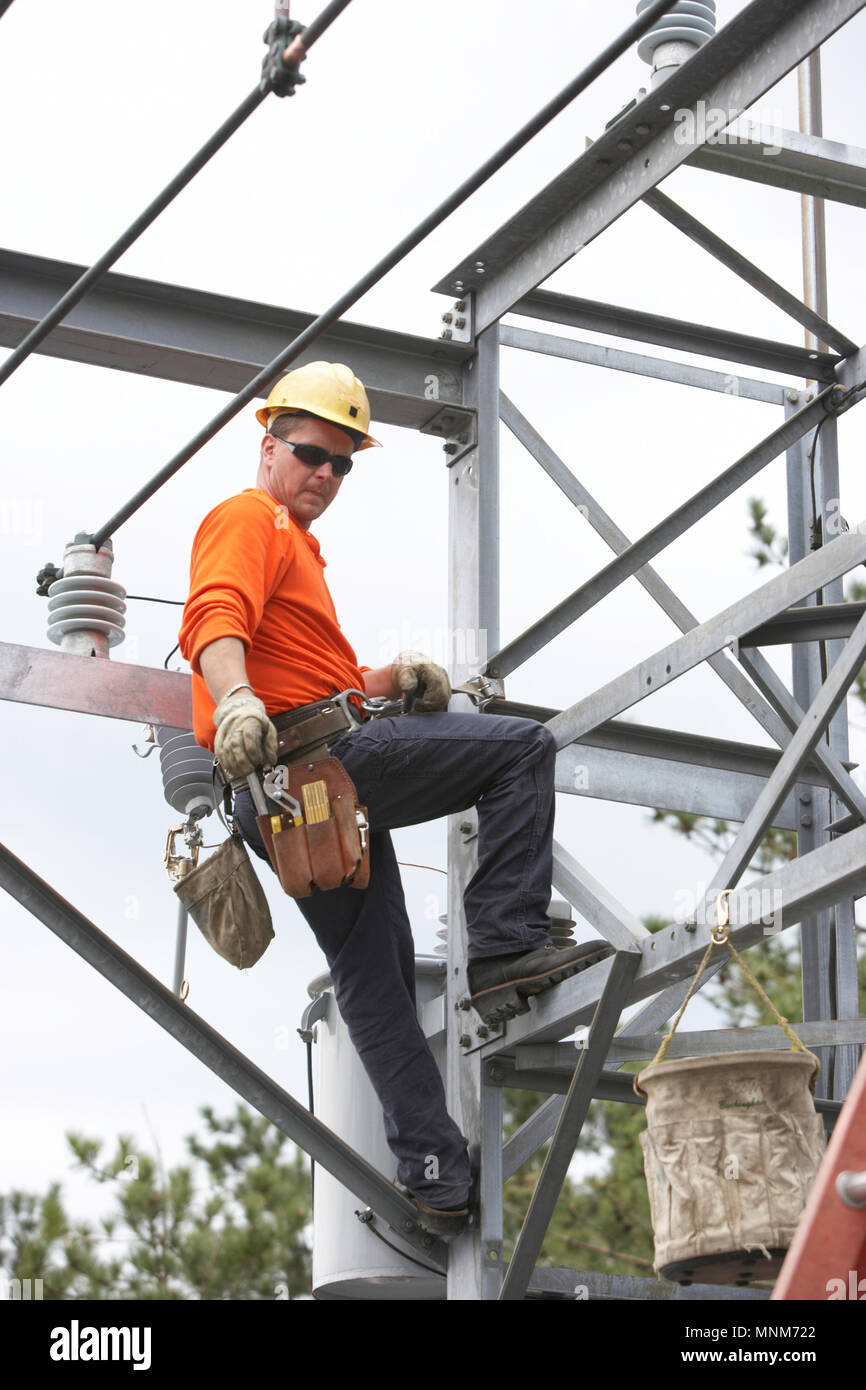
(732, 1146)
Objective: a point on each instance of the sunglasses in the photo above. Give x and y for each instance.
(313, 455)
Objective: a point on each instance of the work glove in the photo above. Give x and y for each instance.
(416, 675)
(246, 739)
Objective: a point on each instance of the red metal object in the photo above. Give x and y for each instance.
(827, 1258)
(95, 685)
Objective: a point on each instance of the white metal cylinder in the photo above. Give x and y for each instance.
(349, 1259)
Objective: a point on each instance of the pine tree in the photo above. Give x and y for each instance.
(232, 1225)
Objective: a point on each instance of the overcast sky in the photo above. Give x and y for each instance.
(101, 105)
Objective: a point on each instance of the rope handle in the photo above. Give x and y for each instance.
(721, 936)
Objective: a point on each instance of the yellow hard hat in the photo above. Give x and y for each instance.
(329, 390)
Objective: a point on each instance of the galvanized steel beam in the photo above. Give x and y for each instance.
(681, 373)
(758, 279)
(815, 721)
(817, 624)
(594, 902)
(805, 164)
(774, 688)
(204, 339)
(675, 333)
(637, 780)
(745, 59)
(475, 1257)
(619, 542)
(552, 1284)
(826, 876)
(571, 1119)
(529, 1138)
(626, 564)
(199, 1038)
(657, 671)
(642, 1047)
(89, 685)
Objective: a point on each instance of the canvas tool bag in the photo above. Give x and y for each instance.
(224, 898)
(732, 1146)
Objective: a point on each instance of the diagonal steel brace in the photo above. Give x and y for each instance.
(586, 1073)
(204, 1042)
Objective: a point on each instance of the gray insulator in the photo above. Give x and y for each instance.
(561, 927)
(690, 21)
(561, 923)
(187, 772)
(86, 606)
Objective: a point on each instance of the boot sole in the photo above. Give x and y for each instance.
(445, 1224)
(500, 1003)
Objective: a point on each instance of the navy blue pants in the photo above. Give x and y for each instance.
(409, 770)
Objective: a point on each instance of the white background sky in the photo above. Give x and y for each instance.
(101, 104)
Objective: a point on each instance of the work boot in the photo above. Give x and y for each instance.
(438, 1220)
(500, 986)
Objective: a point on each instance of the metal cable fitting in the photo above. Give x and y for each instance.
(276, 77)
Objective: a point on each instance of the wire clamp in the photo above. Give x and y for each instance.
(46, 577)
(276, 77)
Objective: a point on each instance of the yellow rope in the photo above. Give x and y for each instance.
(797, 1045)
(721, 937)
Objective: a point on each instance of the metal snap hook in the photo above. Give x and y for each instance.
(721, 931)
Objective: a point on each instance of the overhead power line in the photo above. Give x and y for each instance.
(330, 316)
(305, 40)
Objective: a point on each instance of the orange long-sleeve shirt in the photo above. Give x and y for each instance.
(256, 575)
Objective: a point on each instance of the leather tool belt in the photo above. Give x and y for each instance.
(308, 727)
(314, 830)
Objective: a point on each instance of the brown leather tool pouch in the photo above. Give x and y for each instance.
(330, 848)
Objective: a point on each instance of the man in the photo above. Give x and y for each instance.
(261, 635)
